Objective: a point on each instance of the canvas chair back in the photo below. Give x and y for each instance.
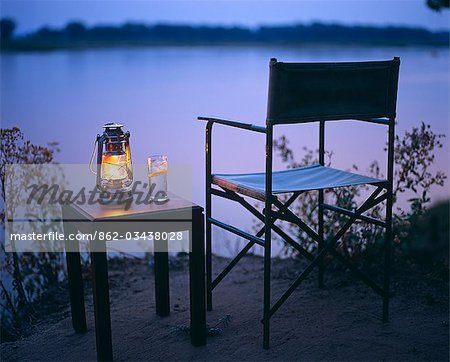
(303, 92)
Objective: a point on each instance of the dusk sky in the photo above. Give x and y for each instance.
(33, 14)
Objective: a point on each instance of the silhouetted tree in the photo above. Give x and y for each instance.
(7, 27)
(75, 29)
(438, 5)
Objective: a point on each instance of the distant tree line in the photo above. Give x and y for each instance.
(78, 35)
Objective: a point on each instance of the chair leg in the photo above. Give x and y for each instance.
(208, 209)
(208, 264)
(321, 235)
(387, 256)
(267, 265)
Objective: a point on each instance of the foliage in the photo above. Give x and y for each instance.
(25, 276)
(414, 156)
(7, 27)
(75, 29)
(438, 5)
(76, 35)
(428, 240)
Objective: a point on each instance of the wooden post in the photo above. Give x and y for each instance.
(74, 276)
(162, 297)
(100, 290)
(197, 280)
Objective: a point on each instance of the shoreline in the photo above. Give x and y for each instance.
(47, 48)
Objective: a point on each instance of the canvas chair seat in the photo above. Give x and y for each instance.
(314, 177)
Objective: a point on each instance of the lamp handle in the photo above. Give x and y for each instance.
(92, 158)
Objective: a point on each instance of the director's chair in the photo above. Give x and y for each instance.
(301, 93)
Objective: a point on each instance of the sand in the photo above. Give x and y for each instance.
(339, 322)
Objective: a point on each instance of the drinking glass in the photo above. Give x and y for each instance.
(157, 176)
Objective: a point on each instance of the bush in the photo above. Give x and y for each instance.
(25, 276)
(414, 155)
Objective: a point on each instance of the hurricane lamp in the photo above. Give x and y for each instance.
(114, 171)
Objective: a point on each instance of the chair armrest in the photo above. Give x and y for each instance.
(226, 122)
(384, 121)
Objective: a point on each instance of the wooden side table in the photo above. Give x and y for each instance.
(175, 215)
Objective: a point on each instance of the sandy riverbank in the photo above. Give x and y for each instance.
(340, 322)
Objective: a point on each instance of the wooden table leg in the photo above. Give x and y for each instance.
(162, 295)
(100, 291)
(75, 278)
(197, 280)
